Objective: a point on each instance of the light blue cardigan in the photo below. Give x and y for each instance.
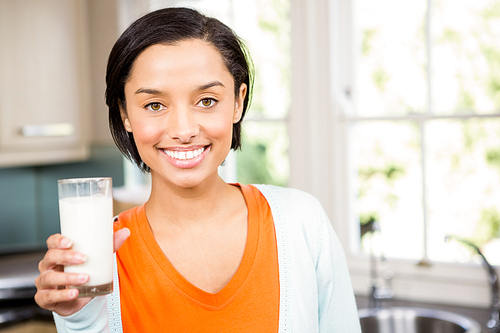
(315, 289)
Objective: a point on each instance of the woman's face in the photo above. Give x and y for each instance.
(181, 108)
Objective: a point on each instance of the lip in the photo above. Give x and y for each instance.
(186, 163)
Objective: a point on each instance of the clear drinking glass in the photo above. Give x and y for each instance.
(86, 217)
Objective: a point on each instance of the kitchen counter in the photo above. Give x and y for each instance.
(17, 288)
(17, 275)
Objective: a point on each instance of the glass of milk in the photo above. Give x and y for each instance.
(86, 216)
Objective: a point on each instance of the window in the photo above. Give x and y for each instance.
(426, 126)
(409, 137)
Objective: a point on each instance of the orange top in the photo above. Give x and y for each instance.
(154, 297)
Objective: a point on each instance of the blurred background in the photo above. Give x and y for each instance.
(387, 111)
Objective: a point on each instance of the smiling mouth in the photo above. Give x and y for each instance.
(186, 154)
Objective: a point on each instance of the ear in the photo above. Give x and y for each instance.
(240, 99)
(125, 120)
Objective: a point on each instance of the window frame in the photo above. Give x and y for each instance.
(320, 116)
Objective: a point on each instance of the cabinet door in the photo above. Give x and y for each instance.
(43, 81)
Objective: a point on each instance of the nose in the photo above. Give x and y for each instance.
(182, 125)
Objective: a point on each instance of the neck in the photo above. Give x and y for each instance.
(172, 205)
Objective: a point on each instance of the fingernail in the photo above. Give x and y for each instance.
(81, 278)
(79, 257)
(72, 293)
(65, 243)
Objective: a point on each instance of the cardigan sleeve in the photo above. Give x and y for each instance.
(337, 306)
(93, 317)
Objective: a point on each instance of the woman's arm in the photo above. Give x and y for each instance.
(337, 306)
(93, 317)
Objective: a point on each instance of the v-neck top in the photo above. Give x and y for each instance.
(155, 297)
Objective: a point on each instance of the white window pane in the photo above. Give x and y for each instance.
(464, 187)
(265, 27)
(391, 63)
(387, 157)
(465, 56)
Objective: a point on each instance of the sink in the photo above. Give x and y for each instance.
(415, 320)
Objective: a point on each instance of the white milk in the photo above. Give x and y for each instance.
(88, 222)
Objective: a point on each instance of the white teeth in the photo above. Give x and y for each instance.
(184, 155)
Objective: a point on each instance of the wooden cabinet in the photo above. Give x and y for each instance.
(44, 81)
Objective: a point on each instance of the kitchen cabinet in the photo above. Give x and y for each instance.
(44, 81)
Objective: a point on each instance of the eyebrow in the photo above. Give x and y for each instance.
(148, 91)
(211, 84)
(151, 91)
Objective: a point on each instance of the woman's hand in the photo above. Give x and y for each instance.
(51, 292)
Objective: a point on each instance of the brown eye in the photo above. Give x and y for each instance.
(207, 102)
(154, 106)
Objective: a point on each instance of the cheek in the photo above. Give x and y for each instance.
(222, 129)
(220, 125)
(145, 132)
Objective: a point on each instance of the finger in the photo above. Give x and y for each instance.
(120, 236)
(57, 257)
(53, 279)
(58, 241)
(48, 299)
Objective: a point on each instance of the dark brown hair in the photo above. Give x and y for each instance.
(168, 26)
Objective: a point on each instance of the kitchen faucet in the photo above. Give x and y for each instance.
(494, 323)
(378, 293)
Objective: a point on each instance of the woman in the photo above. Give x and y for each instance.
(200, 255)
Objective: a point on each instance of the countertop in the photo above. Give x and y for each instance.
(17, 288)
(17, 275)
